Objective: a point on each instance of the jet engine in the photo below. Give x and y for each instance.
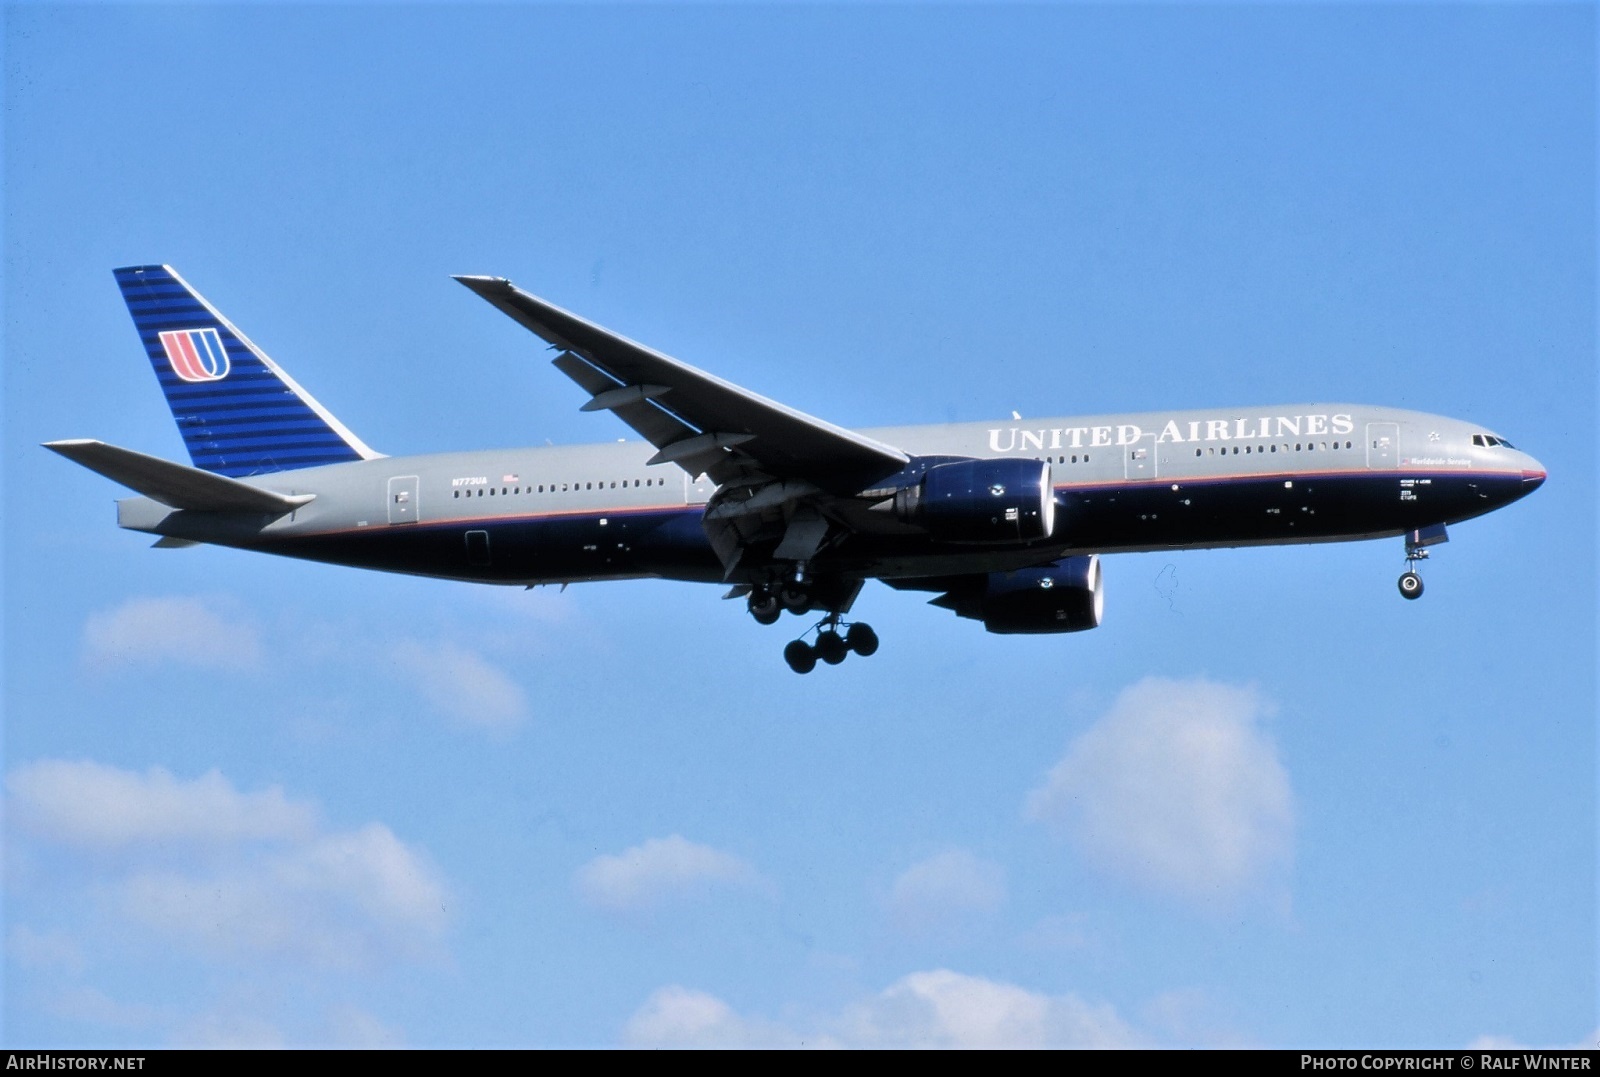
(1066, 596)
(981, 501)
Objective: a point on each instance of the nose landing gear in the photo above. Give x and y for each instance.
(1417, 543)
(831, 646)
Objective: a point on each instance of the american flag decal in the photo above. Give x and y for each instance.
(196, 354)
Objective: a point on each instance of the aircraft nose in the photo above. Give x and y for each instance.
(1533, 474)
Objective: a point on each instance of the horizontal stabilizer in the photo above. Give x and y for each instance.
(177, 485)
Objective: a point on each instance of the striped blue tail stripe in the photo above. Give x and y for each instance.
(249, 420)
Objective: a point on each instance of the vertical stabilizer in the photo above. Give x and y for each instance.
(238, 412)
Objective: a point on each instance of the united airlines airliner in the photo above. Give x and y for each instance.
(1002, 522)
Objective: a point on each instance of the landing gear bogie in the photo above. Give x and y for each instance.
(835, 641)
(862, 639)
(830, 647)
(800, 656)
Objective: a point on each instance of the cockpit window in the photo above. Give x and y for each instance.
(1489, 440)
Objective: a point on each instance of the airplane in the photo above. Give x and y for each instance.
(1002, 522)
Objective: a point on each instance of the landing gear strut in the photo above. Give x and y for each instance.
(831, 647)
(1417, 543)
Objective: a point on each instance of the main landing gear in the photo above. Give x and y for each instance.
(831, 646)
(768, 601)
(835, 639)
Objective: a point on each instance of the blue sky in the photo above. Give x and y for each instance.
(1267, 802)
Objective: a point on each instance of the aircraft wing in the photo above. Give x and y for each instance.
(697, 420)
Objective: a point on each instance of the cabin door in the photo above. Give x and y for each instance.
(403, 499)
(1383, 443)
(1140, 461)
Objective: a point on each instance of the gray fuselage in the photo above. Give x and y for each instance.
(1155, 480)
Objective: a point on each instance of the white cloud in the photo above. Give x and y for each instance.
(188, 631)
(229, 874)
(947, 1009)
(463, 684)
(945, 891)
(1176, 788)
(659, 870)
(678, 1017)
(937, 1008)
(343, 900)
(88, 805)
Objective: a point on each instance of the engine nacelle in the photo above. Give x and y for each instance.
(1067, 596)
(982, 501)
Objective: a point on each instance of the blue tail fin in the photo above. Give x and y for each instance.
(239, 414)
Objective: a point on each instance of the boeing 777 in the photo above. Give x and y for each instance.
(1003, 522)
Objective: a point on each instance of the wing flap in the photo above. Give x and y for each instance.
(175, 485)
(777, 440)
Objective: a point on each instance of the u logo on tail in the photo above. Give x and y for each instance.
(196, 354)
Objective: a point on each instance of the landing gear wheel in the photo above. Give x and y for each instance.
(831, 647)
(1411, 585)
(764, 607)
(800, 656)
(862, 639)
(796, 599)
